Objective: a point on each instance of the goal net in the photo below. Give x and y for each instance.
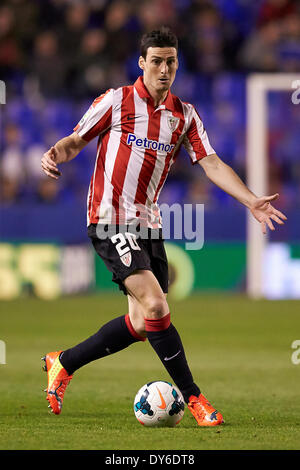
(271, 271)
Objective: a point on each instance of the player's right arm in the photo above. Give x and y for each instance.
(94, 123)
(63, 151)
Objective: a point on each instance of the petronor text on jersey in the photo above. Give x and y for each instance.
(149, 144)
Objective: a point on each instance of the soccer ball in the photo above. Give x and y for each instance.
(159, 404)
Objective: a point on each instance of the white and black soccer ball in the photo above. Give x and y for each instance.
(159, 404)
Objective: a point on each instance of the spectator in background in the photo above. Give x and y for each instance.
(47, 193)
(48, 66)
(209, 41)
(204, 41)
(32, 162)
(41, 190)
(153, 13)
(121, 39)
(20, 169)
(274, 45)
(91, 65)
(10, 52)
(26, 23)
(11, 165)
(71, 31)
(119, 36)
(260, 51)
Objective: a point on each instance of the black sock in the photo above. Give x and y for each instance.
(111, 338)
(168, 346)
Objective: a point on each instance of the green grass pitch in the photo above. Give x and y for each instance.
(239, 352)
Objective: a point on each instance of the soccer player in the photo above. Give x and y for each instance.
(140, 129)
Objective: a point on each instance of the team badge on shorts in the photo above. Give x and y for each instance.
(173, 122)
(126, 259)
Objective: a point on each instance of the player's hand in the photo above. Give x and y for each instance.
(49, 165)
(263, 211)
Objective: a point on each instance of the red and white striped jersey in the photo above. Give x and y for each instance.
(137, 145)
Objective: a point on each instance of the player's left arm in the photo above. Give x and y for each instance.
(226, 178)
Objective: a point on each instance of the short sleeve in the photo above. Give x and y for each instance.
(196, 140)
(98, 117)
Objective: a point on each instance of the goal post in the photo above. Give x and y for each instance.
(258, 86)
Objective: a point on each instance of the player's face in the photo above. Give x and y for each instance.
(159, 67)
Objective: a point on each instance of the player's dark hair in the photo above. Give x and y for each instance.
(162, 37)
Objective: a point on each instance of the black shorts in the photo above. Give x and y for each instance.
(124, 251)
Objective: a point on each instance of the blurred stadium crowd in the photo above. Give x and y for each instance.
(56, 56)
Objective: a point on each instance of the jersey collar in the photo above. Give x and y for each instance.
(143, 93)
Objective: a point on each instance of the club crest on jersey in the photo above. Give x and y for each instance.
(173, 123)
(126, 259)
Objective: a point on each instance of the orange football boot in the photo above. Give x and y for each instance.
(203, 412)
(58, 379)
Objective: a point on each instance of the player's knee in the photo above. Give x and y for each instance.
(156, 307)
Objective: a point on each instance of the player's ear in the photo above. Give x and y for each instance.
(141, 62)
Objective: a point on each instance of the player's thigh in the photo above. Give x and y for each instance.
(144, 288)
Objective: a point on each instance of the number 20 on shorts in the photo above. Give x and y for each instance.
(125, 241)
